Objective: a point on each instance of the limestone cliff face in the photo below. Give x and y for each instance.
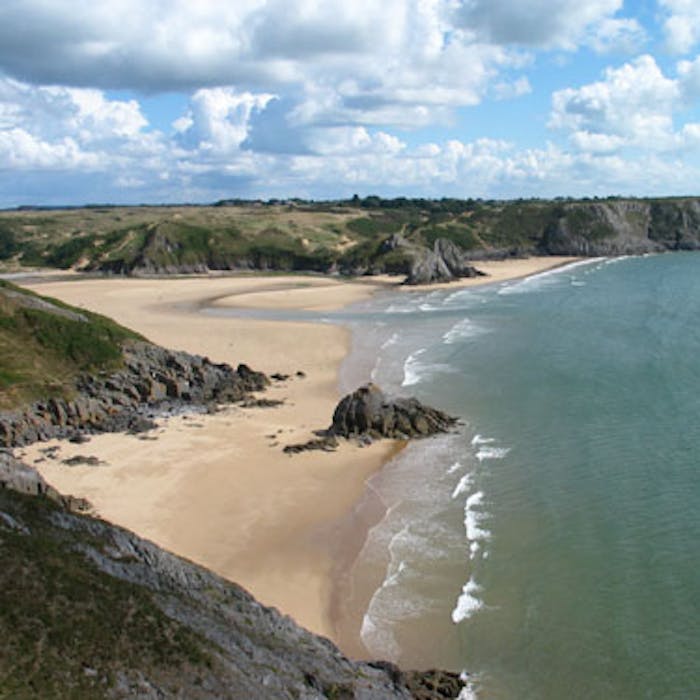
(625, 227)
(93, 611)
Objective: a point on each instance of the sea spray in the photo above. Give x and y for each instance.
(467, 603)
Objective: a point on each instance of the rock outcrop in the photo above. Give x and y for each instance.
(19, 477)
(95, 611)
(152, 377)
(446, 262)
(368, 411)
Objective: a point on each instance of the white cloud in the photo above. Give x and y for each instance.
(623, 35)
(58, 127)
(403, 63)
(633, 105)
(20, 150)
(681, 24)
(689, 72)
(508, 90)
(557, 24)
(218, 119)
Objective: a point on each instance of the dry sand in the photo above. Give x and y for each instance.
(217, 489)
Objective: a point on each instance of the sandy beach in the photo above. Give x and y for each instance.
(218, 489)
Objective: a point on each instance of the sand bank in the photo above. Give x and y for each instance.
(218, 489)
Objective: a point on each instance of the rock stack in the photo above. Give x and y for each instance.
(368, 411)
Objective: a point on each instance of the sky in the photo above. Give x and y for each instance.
(168, 101)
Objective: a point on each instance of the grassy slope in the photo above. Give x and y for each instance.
(304, 236)
(66, 627)
(41, 351)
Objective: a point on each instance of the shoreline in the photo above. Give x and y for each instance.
(217, 489)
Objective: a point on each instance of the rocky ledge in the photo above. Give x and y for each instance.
(151, 378)
(95, 611)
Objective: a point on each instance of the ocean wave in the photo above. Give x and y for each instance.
(464, 485)
(479, 440)
(412, 368)
(392, 340)
(455, 467)
(466, 328)
(400, 309)
(467, 603)
(543, 279)
(415, 371)
(474, 518)
(378, 639)
(492, 453)
(469, 691)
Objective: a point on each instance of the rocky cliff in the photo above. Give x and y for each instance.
(92, 611)
(151, 378)
(425, 240)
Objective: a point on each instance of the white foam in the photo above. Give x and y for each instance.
(474, 518)
(478, 440)
(393, 579)
(543, 279)
(412, 369)
(466, 328)
(415, 371)
(378, 640)
(467, 603)
(492, 453)
(455, 467)
(474, 548)
(464, 485)
(390, 341)
(469, 691)
(398, 309)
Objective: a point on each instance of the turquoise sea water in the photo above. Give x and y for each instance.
(552, 546)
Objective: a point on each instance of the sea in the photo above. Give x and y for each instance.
(548, 549)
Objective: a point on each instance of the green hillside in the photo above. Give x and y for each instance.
(45, 344)
(349, 237)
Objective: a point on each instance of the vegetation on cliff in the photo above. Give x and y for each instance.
(93, 611)
(46, 344)
(349, 236)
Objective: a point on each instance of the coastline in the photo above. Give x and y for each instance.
(217, 489)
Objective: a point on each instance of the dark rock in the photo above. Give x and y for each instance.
(368, 411)
(152, 376)
(80, 460)
(301, 374)
(139, 424)
(429, 685)
(279, 377)
(445, 263)
(79, 438)
(237, 647)
(328, 443)
(261, 403)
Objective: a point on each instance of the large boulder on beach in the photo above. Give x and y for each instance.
(444, 263)
(369, 411)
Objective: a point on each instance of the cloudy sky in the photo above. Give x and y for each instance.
(130, 101)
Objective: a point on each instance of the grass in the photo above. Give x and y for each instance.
(41, 352)
(299, 235)
(66, 627)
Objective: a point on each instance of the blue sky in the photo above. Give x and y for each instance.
(130, 101)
